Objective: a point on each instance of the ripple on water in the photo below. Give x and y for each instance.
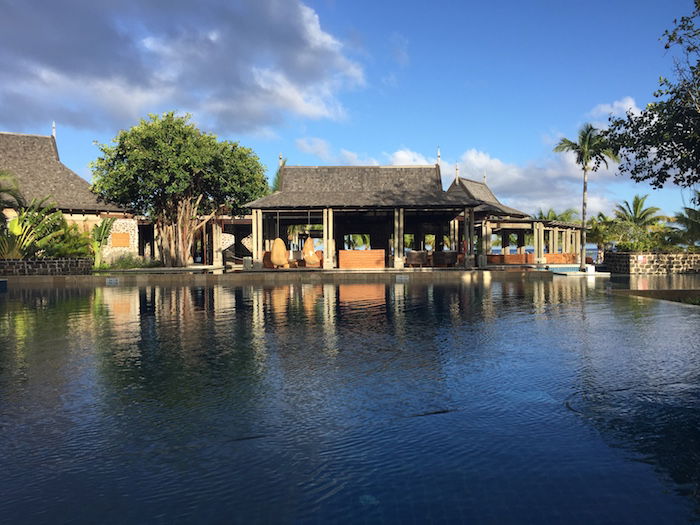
(510, 401)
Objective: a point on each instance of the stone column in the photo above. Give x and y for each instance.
(555, 240)
(550, 241)
(577, 244)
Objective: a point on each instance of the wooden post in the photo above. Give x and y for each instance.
(255, 234)
(469, 235)
(521, 242)
(555, 241)
(217, 252)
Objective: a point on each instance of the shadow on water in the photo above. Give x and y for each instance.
(502, 399)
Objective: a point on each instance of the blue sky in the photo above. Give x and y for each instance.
(494, 85)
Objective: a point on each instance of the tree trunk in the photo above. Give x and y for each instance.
(582, 265)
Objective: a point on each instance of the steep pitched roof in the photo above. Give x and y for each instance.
(33, 161)
(360, 186)
(481, 192)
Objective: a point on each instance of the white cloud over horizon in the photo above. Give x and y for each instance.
(241, 67)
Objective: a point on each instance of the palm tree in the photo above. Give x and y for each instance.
(689, 222)
(603, 232)
(10, 197)
(635, 213)
(568, 215)
(591, 150)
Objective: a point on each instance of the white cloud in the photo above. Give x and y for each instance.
(553, 182)
(236, 66)
(353, 159)
(317, 147)
(617, 108)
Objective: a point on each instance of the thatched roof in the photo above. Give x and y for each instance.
(34, 163)
(481, 192)
(361, 187)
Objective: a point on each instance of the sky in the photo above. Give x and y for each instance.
(493, 85)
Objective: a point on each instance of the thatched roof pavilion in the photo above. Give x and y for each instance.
(402, 210)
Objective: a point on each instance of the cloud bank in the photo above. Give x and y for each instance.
(237, 66)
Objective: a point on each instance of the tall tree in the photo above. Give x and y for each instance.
(592, 150)
(167, 169)
(662, 141)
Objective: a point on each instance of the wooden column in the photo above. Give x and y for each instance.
(555, 241)
(505, 242)
(577, 244)
(328, 239)
(469, 230)
(398, 237)
(255, 234)
(521, 242)
(217, 252)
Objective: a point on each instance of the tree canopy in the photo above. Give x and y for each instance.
(662, 142)
(167, 169)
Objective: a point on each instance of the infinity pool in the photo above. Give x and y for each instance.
(478, 400)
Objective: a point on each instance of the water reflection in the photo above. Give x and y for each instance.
(327, 398)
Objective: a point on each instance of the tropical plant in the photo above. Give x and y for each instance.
(10, 196)
(30, 231)
(592, 150)
(688, 223)
(276, 179)
(99, 237)
(70, 242)
(602, 231)
(568, 215)
(635, 212)
(169, 170)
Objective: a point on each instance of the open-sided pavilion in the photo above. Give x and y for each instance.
(401, 215)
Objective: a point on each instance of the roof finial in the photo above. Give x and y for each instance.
(456, 171)
(438, 156)
(279, 161)
(53, 129)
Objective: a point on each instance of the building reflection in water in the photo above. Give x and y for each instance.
(274, 352)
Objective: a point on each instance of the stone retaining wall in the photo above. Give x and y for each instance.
(45, 266)
(652, 263)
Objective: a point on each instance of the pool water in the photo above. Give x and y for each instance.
(479, 400)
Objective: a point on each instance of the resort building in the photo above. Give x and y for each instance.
(394, 217)
(34, 163)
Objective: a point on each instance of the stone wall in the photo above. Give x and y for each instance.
(652, 263)
(123, 240)
(45, 266)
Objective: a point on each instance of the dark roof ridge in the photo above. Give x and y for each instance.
(25, 134)
(384, 166)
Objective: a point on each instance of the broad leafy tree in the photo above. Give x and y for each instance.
(167, 169)
(591, 150)
(662, 142)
